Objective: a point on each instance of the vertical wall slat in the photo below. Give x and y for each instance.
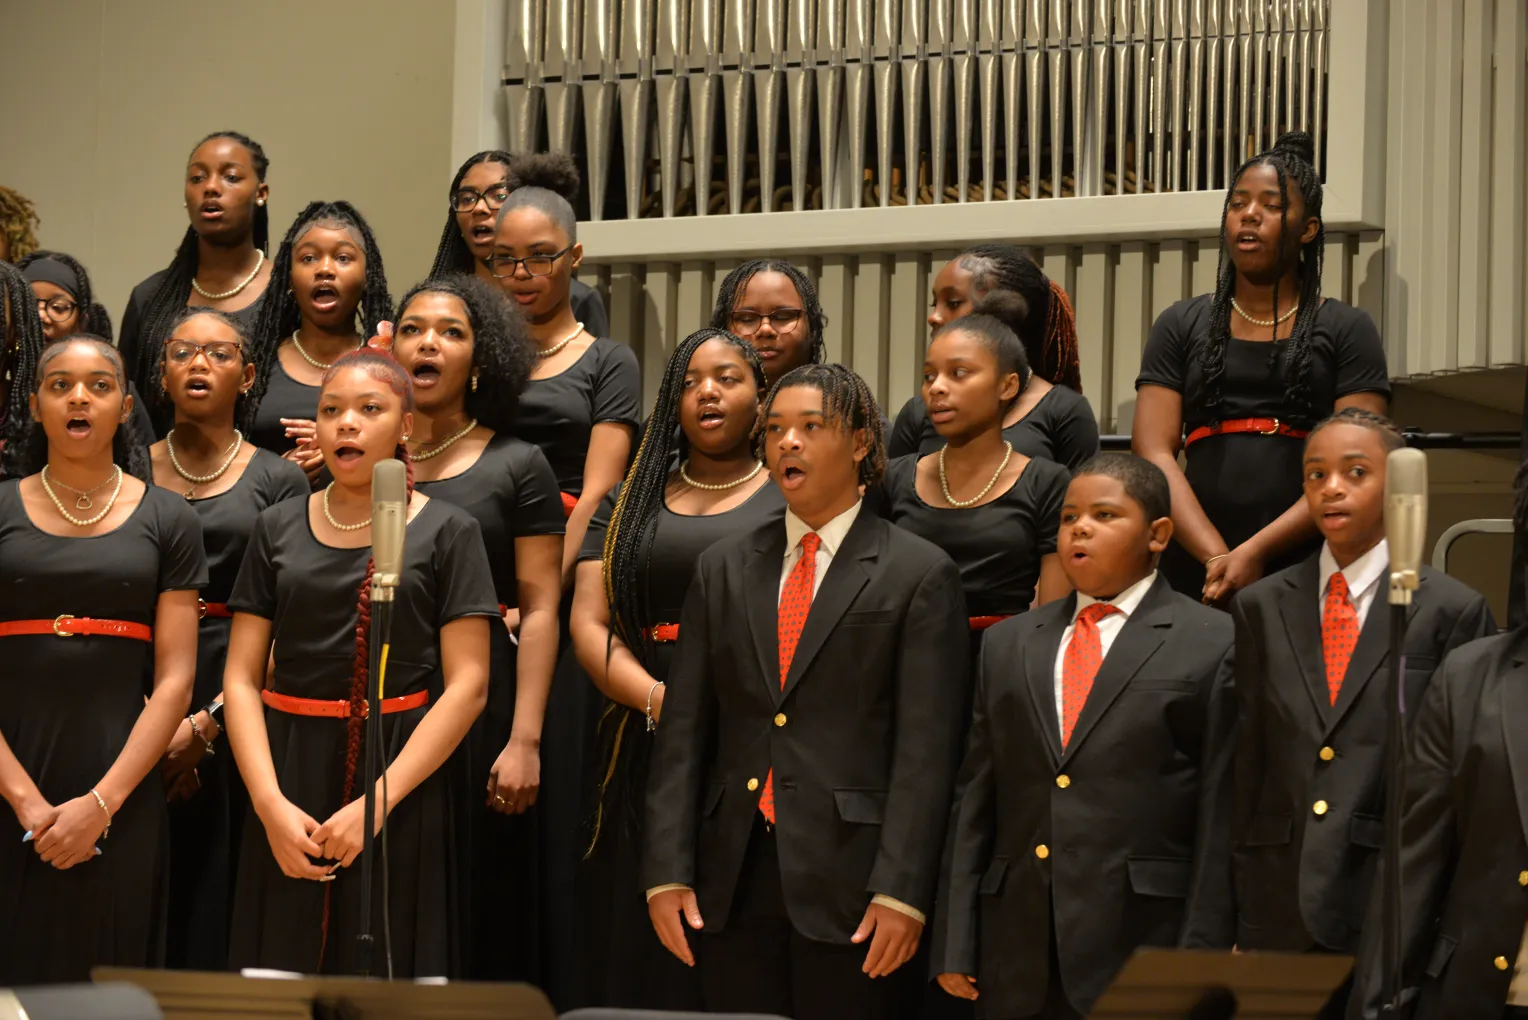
(836, 293)
(906, 330)
(872, 295)
(1133, 292)
(1336, 275)
(663, 325)
(1474, 227)
(1206, 265)
(1171, 277)
(1368, 286)
(1509, 202)
(1093, 297)
(1436, 346)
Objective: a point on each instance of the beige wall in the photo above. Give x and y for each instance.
(351, 99)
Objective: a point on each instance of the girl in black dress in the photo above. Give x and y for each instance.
(478, 191)
(97, 607)
(469, 354)
(635, 568)
(771, 304)
(65, 300)
(303, 600)
(227, 482)
(1245, 372)
(1050, 419)
(335, 297)
(220, 263)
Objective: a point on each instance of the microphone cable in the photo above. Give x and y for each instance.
(387, 926)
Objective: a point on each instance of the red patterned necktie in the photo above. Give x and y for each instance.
(795, 603)
(1079, 666)
(1339, 632)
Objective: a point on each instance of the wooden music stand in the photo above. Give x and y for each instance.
(1173, 984)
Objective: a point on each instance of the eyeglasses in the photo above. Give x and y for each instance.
(505, 266)
(218, 352)
(56, 310)
(748, 322)
(466, 199)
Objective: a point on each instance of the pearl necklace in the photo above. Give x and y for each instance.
(551, 351)
(70, 517)
(83, 502)
(444, 444)
(1264, 322)
(310, 359)
(230, 293)
(684, 475)
(195, 480)
(944, 482)
(336, 524)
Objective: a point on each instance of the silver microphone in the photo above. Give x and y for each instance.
(1405, 520)
(389, 515)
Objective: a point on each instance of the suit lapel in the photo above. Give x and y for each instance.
(1038, 658)
(1141, 636)
(846, 575)
(1300, 606)
(762, 583)
(1514, 719)
(1371, 652)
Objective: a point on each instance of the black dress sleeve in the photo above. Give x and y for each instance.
(589, 309)
(285, 480)
(182, 557)
(254, 591)
(538, 503)
(1074, 430)
(617, 393)
(594, 538)
(1361, 366)
(1165, 360)
(1050, 496)
(127, 335)
(908, 430)
(464, 580)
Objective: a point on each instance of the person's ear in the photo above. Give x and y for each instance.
(32, 407)
(576, 256)
(247, 378)
(408, 425)
(1161, 531)
(262, 194)
(127, 408)
(1010, 389)
(861, 445)
(1312, 227)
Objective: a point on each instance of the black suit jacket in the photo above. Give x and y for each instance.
(1099, 844)
(864, 739)
(1309, 813)
(1464, 857)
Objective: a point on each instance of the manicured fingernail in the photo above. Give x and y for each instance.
(28, 837)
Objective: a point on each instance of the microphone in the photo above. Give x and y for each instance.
(389, 515)
(1405, 520)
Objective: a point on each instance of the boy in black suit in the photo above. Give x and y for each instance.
(802, 773)
(1312, 650)
(1099, 731)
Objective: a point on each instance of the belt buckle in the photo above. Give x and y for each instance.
(1271, 431)
(58, 622)
(201, 609)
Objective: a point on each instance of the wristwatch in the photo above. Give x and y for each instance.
(214, 712)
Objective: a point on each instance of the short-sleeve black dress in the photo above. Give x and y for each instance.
(558, 413)
(308, 591)
(285, 397)
(1245, 481)
(1060, 428)
(68, 707)
(511, 493)
(204, 830)
(630, 965)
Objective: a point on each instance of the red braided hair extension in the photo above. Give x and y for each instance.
(1061, 356)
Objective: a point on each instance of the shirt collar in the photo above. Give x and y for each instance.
(1362, 574)
(1126, 602)
(831, 533)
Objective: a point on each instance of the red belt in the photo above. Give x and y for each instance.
(569, 501)
(983, 622)
(664, 633)
(339, 709)
(71, 626)
(503, 609)
(1261, 426)
(216, 610)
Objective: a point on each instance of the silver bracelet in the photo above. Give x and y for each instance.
(206, 744)
(652, 725)
(102, 802)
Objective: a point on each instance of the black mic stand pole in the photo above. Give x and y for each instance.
(372, 757)
(1402, 584)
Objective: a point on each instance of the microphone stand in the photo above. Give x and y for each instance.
(383, 587)
(1402, 584)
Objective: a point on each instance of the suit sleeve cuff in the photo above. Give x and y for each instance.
(894, 904)
(655, 890)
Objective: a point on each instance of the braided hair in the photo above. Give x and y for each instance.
(736, 282)
(129, 450)
(1049, 335)
(169, 297)
(1390, 437)
(21, 343)
(502, 349)
(1292, 159)
(18, 223)
(280, 315)
(94, 318)
(847, 403)
(453, 255)
(241, 334)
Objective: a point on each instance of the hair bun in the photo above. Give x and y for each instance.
(1006, 306)
(1297, 143)
(554, 171)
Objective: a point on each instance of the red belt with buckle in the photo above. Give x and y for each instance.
(983, 622)
(569, 501)
(664, 633)
(216, 610)
(75, 626)
(1260, 426)
(339, 709)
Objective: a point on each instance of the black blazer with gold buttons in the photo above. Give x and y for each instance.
(864, 738)
(1308, 820)
(1464, 856)
(1098, 846)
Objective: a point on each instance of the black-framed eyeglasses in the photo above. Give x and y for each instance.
(748, 322)
(505, 266)
(466, 199)
(218, 352)
(56, 309)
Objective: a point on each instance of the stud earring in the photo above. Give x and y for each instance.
(259, 201)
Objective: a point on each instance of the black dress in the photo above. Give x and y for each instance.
(68, 707)
(511, 493)
(588, 308)
(1061, 427)
(1245, 481)
(558, 413)
(632, 968)
(308, 590)
(204, 830)
(285, 397)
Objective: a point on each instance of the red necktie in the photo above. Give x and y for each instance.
(795, 603)
(1080, 665)
(1339, 632)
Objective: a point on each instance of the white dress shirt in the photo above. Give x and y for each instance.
(1109, 627)
(1363, 576)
